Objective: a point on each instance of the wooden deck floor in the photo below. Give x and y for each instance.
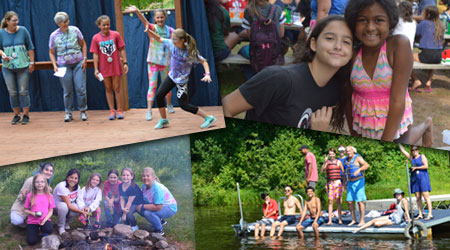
(48, 136)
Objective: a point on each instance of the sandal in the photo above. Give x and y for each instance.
(411, 89)
(429, 218)
(427, 89)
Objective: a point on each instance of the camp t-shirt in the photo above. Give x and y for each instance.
(61, 190)
(19, 43)
(108, 46)
(157, 53)
(159, 194)
(67, 45)
(287, 95)
(131, 191)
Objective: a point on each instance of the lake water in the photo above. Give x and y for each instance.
(213, 231)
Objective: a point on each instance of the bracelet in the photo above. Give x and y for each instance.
(125, 63)
(207, 74)
(85, 58)
(33, 63)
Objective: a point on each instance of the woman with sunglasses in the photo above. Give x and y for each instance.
(420, 180)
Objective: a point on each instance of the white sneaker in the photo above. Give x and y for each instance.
(61, 230)
(67, 226)
(170, 108)
(68, 117)
(149, 117)
(135, 228)
(83, 116)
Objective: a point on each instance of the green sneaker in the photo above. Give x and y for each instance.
(161, 123)
(209, 120)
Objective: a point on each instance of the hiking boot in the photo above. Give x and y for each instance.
(209, 120)
(68, 117)
(162, 123)
(170, 108)
(149, 117)
(83, 116)
(15, 119)
(25, 119)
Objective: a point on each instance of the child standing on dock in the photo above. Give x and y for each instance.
(108, 48)
(158, 58)
(183, 52)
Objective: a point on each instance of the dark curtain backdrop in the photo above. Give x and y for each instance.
(45, 89)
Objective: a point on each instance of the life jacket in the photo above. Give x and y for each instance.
(333, 170)
(351, 169)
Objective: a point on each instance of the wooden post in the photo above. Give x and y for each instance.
(179, 14)
(119, 28)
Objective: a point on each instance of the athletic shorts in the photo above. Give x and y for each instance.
(430, 56)
(267, 221)
(356, 190)
(308, 222)
(290, 219)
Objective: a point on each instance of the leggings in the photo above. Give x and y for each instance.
(182, 95)
(153, 70)
(33, 231)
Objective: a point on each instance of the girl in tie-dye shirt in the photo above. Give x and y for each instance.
(159, 203)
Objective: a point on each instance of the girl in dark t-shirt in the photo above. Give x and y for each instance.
(307, 94)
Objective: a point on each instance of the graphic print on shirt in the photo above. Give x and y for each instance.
(305, 119)
(107, 47)
(72, 197)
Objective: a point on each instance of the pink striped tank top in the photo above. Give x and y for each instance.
(370, 98)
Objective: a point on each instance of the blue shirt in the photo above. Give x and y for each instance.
(180, 63)
(131, 191)
(17, 44)
(337, 8)
(425, 30)
(423, 4)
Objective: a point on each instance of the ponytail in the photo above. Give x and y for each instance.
(7, 17)
(190, 43)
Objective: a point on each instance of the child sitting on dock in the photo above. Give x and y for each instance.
(288, 218)
(270, 210)
(400, 215)
(312, 205)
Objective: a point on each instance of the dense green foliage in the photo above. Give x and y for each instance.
(263, 157)
(169, 157)
(149, 4)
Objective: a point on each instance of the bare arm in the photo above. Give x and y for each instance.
(363, 165)
(96, 65)
(323, 8)
(51, 54)
(138, 13)
(84, 49)
(405, 153)
(319, 208)
(425, 163)
(207, 77)
(281, 30)
(50, 213)
(406, 209)
(324, 166)
(153, 207)
(235, 103)
(32, 62)
(303, 212)
(401, 71)
(123, 57)
(70, 206)
(152, 34)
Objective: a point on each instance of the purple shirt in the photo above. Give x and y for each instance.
(425, 30)
(66, 45)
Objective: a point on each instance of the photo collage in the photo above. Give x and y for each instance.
(225, 124)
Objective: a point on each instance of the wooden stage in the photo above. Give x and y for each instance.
(47, 135)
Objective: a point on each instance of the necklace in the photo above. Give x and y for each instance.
(109, 59)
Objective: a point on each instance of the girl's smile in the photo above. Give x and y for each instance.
(48, 172)
(72, 180)
(372, 26)
(104, 27)
(126, 177)
(39, 184)
(159, 19)
(147, 179)
(179, 43)
(95, 181)
(112, 179)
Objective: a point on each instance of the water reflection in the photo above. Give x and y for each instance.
(213, 231)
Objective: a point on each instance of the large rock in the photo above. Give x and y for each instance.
(172, 247)
(105, 232)
(51, 242)
(141, 234)
(155, 237)
(78, 236)
(123, 230)
(161, 244)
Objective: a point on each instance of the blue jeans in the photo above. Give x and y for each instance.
(130, 220)
(74, 77)
(111, 219)
(154, 217)
(17, 82)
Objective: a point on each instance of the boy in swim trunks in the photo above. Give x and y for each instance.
(313, 206)
(289, 204)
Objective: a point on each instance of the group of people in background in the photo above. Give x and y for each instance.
(37, 202)
(344, 171)
(349, 67)
(172, 53)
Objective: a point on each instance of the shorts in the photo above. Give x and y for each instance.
(220, 55)
(308, 222)
(430, 56)
(290, 219)
(356, 190)
(267, 221)
(334, 189)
